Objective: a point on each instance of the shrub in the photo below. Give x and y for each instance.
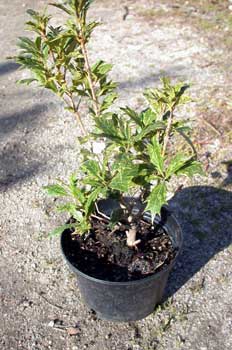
(136, 159)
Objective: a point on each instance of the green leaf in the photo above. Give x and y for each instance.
(61, 7)
(92, 167)
(148, 116)
(51, 85)
(83, 226)
(154, 151)
(176, 163)
(82, 140)
(55, 190)
(86, 154)
(122, 181)
(28, 47)
(78, 77)
(89, 205)
(133, 115)
(108, 127)
(26, 81)
(71, 209)
(75, 191)
(38, 41)
(190, 169)
(107, 88)
(101, 68)
(157, 198)
(80, 92)
(90, 27)
(149, 129)
(108, 101)
(91, 181)
(32, 13)
(61, 229)
(31, 64)
(70, 109)
(33, 27)
(105, 68)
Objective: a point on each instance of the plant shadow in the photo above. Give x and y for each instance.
(175, 71)
(204, 214)
(8, 67)
(228, 180)
(19, 158)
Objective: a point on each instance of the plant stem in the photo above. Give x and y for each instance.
(99, 218)
(83, 129)
(131, 240)
(88, 69)
(131, 237)
(78, 116)
(101, 213)
(167, 132)
(69, 94)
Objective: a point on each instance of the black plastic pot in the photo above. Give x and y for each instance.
(126, 301)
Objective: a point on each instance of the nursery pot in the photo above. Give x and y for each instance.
(126, 301)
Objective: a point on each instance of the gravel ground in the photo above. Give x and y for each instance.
(38, 143)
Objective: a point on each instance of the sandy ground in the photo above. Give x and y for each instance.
(185, 40)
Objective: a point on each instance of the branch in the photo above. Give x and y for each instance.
(88, 69)
(167, 132)
(78, 116)
(69, 94)
(101, 213)
(99, 218)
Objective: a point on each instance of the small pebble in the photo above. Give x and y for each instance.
(51, 323)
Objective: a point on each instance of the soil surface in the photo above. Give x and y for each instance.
(106, 256)
(40, 303)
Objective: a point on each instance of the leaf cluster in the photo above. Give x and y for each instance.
(56, 57)
(133, 161)
(138, 158)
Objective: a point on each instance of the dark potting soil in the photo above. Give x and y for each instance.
(105, 255)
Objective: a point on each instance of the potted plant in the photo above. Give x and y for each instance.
(121, 239)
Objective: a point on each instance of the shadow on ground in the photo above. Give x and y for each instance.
(178, 71)
(26, 118)
(19, 159)
(17, 164)
(8, 67)
(228, 180)
(205, 215)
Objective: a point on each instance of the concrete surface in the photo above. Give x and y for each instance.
(187, 41)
